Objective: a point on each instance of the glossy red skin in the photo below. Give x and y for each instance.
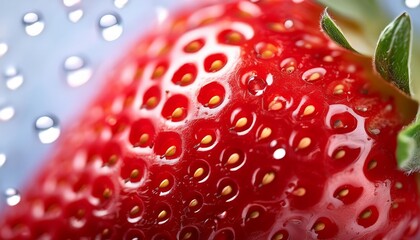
(85, 191)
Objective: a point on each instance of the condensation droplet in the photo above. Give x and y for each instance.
(120, 3)
(71, 3)
(110, 26)
(288, 24)
(47, 128)
(2, 159)
(77, 71)
(279, 153)
(3, 48)
(6, 113)
(76, 15)
(162, 14)
(13, 78)
(412, 3)
(12, 196)
(33, 24)
(256, 85)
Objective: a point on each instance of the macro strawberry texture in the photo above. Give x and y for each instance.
(238, 120)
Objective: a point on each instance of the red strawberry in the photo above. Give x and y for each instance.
(237, 121)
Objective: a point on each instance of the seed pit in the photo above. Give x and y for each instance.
(280, 235)
(266, 50)
(175, 108)
(231, 37)
(215, 62)
(168, 145)
(211, 95)
(189, 233)
(228, 189)
(233, 158)
(185, 75)
(194, 46)
(325, 228)
(348, 194)
(199, 170)
(368, 217)
(159, 70)
(151, 97)
(142, 133)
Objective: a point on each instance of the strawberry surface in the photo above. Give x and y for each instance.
(239, 120)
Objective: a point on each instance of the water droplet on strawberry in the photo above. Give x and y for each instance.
(3, 48)
(77, 72)
(33, 23)
(110, 26)
(14, 79)
(120, 3)
(12, 196)
(279, 153)
(47, 128)
(3, 159)
(256, 85)
(6, 113)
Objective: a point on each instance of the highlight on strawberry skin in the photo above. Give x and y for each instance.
(238, 120)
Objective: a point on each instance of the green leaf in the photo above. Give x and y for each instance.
(333, 31)
(392, 54)
(408, 148)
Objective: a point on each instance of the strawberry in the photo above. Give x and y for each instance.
(240, 120)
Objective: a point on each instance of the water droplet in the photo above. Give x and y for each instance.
(6, 113)
(110, 26)
(70, 3)
(279, 153)
(162, 14)
(13, 78)
(12, 196)
(77, 72)
(3, 48)
(256, 85)
(288, 24)
(47, 128)
(2, 159)
(314, 74)
(412, 3)
(76, 15)
(120, 3)
(33, 24)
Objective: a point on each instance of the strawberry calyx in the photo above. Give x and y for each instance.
(391, 61)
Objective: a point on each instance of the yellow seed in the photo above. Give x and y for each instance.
(299, 192)
(112, 159)
(162, 214)
(304, 143)
(135, 210)
(105, 232)
(135, 173)
(234, 158)
(278, 236)
(159, 71)
(227, 190)
(170, 151)
(268, 178)
(328, 58)
(366, 214)
(265, 133)
(276, 27)
(266, 54)
(340, 154)
(186, 78)
(177, 113)
(314, 76)
(144, 138)
(199, 172)
(151, 102)
(241, 122)
(214, 100)
(395, 205)
(344, 192)
(372, 164)
(275, 105)
(206, 139)
(398, 185)
(234, 37)
(216, 65)
(338, 124)
(107, 193)
(254, 214)
(319, 226)
(339, 89)
(187, 236)
(193, 46)
(308, 110)
(193, 203)
(164, 183)
(290, 69)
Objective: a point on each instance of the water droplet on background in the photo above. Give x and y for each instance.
(3, 48)
(412, 3)
(12, 196)
(47, 128)
(120, 3)
(77, 71)
(71, 3)
(2, 159)
(33, 24)
(6, 113)
(13, 78)
(162, 14)
(110, 26)
(76, 15)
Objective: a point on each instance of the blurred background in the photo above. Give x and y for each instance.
(53, 57)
